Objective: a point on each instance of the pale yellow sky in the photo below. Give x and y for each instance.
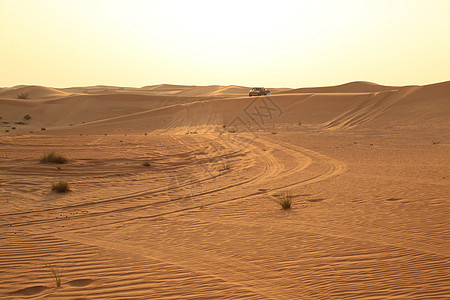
(280, 43)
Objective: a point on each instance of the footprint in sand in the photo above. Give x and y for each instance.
(80, 282)
(30, 291)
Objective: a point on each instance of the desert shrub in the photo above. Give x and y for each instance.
(53, 157)
(284, 200)
(60, 187)
(13, 127)
(27, 117)
(22, 95)
(43, 128)
(7, 130)
(146, 164)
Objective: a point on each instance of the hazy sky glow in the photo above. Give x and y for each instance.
(280, 43)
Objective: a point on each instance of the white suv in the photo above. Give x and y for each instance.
(258, 91)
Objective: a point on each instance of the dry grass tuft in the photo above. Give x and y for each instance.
(53, 157)
(60, 187)
(23, 95)
(56, 274)
(284, 200)
(225, 166)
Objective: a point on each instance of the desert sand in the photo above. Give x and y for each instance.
(368, 167)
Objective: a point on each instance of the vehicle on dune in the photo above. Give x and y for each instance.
(258, 91)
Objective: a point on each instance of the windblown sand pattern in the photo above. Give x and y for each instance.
(368, 167)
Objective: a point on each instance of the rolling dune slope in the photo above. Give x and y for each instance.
(351, 87)
(419, 107)
(33, 92)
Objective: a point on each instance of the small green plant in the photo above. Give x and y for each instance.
(43, 128)
(56, 273)
(284, 200)
(60, 187)
(225, 166)
(53, 157)
(27, 117)
(22, 95)
(146, 164)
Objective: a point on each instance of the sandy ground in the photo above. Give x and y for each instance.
(368, 167)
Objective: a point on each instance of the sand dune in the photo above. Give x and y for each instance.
(32, 92)
(367, 165)
(420, 107)
(351, 87)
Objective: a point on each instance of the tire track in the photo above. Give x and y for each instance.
(127, 197)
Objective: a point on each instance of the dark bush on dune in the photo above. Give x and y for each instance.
(53, 157)
(23, 95)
